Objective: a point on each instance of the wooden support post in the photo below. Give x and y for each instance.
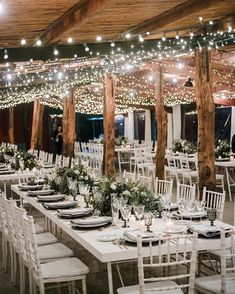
(69, 124)
(11, 125)
(161, 120)
(206, 120)
(109, 125)
(38, 110)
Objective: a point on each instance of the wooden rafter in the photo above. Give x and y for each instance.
(76, 16)
(176, 13)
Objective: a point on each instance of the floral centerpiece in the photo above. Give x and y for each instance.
(184, 146)
(27, 158)
(120, 141)
(222, 149)
(6, 154)
(13, 157)
(132, 191)
(60, 180)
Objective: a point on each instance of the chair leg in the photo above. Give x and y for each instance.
(84, 290)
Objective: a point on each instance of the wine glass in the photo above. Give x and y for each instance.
(21, 165)
(191, 206)
(201, 205)
(115, 205)
(139, 211)
(72, 185)
(126, 212)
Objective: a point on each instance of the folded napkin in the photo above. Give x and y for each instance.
(50, 197)
(133, 235)
(93, 220)
(75, 211)
(41, 192)
(58, 205)
(205, 230)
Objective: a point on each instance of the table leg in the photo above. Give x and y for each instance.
(110, 277)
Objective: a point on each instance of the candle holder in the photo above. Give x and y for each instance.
(148, 220)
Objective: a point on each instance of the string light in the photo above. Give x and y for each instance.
(23, 42)
(98, 38)
(39, 42)
(70, 40)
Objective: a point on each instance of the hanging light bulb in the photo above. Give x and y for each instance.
(5, 54)
(141, 39)
(177, 35)
(164, 37)
(128, 36)
(39, 42)
(98, 38)
(70, 40)
(23, 42)
(56, 52)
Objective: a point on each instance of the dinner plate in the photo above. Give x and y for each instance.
(27, 187)
(50, 198)
(89, 226)
(107, 237)
(190, 215)
(41, 192)
(175, 229)
(145, 236)
(4, 168)
(93, 220)
(7, 172)
(48, 166)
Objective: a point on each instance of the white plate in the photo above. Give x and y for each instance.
(74, 225)
(60, 205)
(107, 237)
(190, 215)
(7, 172)
(75, 211)
(176, 229)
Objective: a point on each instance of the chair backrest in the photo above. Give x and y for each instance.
(163, 187)
(8, 218)
(31, 245)
(184, 163)
(50, 158)
(146, 181)
(171, 253)
(214, 200)
(129, 176)
(65, 161)
(170, 160)
(186, 192)
(227, 259)
(19, 212)
(58, 160)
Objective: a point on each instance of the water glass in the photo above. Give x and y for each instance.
(139, 211)
(126, 212)
(148, 220)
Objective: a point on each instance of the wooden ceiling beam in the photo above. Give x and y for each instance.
(76, 16)
(175, 14)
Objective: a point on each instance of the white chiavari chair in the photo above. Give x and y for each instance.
(185, 192)
(58, 160)
(163, 188)
(214, 200)
(225, 281)
(230, 176)
(146, 181)
(171, 170)
(128, 176)
(65, 161)
(50, 158)
(172, 266)
(46, 253)
(188, 175)
(137, 158)
(70, 269)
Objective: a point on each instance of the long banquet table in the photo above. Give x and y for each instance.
(105, 252)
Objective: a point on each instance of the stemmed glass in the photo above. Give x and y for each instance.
(115, 205)
(21, 165)
(191, 205)
(84, 190)
(126, 212)
(139, 211)
(72, 185)
(148, 220)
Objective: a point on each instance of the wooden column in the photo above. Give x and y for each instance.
(161, 120)
(11, 125)
(68, 124)
(206, 119)
(38, 109)
(109, 125)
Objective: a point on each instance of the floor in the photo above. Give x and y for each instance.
(97, 279)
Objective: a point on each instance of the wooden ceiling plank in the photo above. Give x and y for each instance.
(170, 16)
(76, 16)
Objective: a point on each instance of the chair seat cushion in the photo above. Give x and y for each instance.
(212, 284)
(54, 251)
(63, 268)
(45, 238)
(38, 229)
(135, 289)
